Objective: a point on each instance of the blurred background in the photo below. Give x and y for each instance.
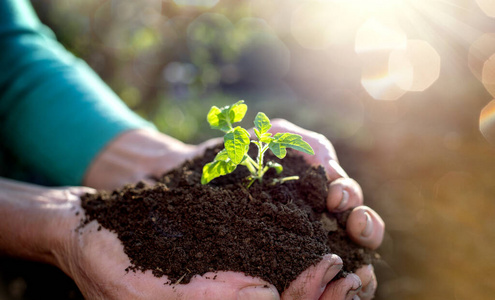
(403, 88)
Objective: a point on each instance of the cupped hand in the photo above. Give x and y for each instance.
(140, 153)
(364, 225)
(94, 257)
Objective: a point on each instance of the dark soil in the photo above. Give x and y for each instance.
(181, 228)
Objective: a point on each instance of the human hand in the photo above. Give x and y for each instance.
(140, 153)
(364, 225)
(95, 259)
(43, 224)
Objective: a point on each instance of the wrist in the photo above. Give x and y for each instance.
(136, 155)
(35, 221)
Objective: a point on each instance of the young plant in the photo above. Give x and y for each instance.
(237, 140)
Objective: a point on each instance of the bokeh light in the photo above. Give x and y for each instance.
(487, 121)
(488, 75)
(317, 24)
(199, 3)
(479, 52)
(416, 67)
(377, 35)
(132, 18)
(379, 83)
(488, 7)
(375, 40)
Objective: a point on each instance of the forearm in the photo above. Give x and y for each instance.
(56, 114)
(33, 220)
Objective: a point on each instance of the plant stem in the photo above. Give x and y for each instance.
(260, 160)
(282, 180)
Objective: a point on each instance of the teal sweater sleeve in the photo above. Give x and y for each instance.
(56, 114)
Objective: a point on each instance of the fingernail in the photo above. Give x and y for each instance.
(260, 292)
(369, 290)
(343, 202)
(355, 288)
(338, 169)
(332, 271)
(368, 228)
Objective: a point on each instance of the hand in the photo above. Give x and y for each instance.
(364, 225)
(139, 153)
(42, 224)
(95, 259)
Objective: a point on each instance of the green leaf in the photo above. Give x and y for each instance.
(278, 167)
(223, 118)
(236, 143)
(217, 120)
(278, 149)
(216, 169)
(222, 156)
(266, 138)
(258, 134)
(262, 123)
(237, 111)
(293, 141)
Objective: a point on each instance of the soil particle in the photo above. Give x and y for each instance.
(180, 228)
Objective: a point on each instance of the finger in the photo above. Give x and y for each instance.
(344, 194)
(81, 190)
(365, 227)
(210, 286)
(368, 280)
(208, 144)
(230, 285)
(325, 154)
(311, 283)
(344, 288)
(332, 168)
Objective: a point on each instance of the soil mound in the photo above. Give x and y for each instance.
(180, 228)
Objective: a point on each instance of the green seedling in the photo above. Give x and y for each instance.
(237, 140)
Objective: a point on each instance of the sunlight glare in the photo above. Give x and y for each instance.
(415, 68)
(487, 6)
(377, 81)
(488, 75)
(487, 122)
(479, 52)
(375, 35)
(375, 40)
(317, 25)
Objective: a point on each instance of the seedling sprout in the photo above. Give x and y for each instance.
(237, 141)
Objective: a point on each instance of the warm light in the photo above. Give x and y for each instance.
(416, 67)
(317, 25)
(377, 81)
(487, 6)
(488, 75)
(375, 35)
(375, 40)
(479, 52)
(487, 121)
(198, 3)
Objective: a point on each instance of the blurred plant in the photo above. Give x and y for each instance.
(155, 53)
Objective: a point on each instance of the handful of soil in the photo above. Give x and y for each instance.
(180, 228)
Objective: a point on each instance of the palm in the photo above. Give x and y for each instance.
(99, 265)
(95, 259)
